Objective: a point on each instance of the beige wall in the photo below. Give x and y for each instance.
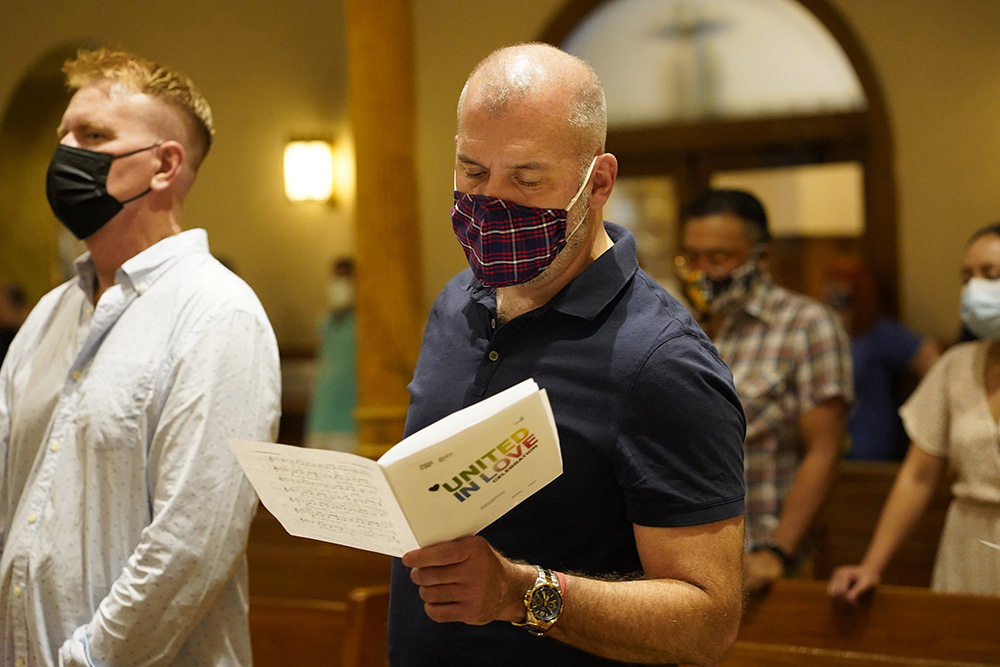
(270, 71)
(939, 64)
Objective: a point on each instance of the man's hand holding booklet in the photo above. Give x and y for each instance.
(448, 480)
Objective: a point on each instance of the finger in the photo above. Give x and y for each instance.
(443, 553)
(855, 590)
(443, 594)
(456, 612)
(436, 575)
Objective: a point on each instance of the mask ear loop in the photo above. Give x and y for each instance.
(138, 150)
(579, 192)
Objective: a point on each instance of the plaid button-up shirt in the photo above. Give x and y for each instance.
(788, 354)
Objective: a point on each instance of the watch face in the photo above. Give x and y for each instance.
(546, 603)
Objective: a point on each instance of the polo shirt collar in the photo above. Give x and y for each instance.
(591, 291)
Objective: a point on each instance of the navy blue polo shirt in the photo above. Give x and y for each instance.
(650, 426)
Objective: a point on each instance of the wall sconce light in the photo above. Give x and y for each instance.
(309, 171)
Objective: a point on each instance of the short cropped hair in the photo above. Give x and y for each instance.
(740, 203)
(502, 85)
(144, 76)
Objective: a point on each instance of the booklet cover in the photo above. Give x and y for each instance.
(448, 480)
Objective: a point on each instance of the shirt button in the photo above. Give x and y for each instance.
(17, 591)
(76, 374)
(493, 324)
(54, 446)
(32, 518)
(494, 355)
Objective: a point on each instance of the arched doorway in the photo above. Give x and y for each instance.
(675, 156)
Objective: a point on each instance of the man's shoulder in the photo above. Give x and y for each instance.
(458, 290)
(648, 299)
(203, 285)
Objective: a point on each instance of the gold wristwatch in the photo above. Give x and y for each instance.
(542, 603)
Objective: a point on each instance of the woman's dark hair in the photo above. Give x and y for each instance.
(984, 231)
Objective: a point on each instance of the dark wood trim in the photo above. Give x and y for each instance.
(846, 129)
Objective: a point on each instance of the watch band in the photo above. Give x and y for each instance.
(788, 561)
(543, 602)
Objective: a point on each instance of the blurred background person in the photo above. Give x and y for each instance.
(13, 310)
(791, 363)
(330, 421)
(952, 422)
(887, 360)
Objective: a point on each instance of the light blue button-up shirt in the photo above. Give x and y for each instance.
(123, 512)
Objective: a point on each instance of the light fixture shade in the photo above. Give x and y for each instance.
(309, 170)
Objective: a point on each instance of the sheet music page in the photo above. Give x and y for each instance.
(326, 495)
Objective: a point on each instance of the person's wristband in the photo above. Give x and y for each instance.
(563, 585)
(788, 561)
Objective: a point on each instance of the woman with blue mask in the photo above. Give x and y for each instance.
(952, 420)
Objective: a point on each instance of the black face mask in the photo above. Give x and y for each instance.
(76, 187)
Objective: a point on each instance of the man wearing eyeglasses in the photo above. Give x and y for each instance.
(791, 363)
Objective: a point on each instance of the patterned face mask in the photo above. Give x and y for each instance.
(509, 244)
(710, 296)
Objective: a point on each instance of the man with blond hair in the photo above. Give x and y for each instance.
(633, 554)
(123, 512)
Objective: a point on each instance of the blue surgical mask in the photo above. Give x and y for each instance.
(981, 307)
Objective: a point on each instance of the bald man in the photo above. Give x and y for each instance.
(633, 555)
(123, 513)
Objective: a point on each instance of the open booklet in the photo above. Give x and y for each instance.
(448, 480)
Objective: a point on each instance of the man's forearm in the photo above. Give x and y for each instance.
(809, 487)
(649, 621)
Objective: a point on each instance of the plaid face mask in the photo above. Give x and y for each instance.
(508, 244)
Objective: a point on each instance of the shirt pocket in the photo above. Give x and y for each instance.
(113, 401)
(764, 392)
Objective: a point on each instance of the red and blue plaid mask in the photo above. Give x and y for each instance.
(509, 244)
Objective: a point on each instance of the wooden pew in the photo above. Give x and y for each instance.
(300, 593)
(286, 567)
(847, 521)
(796, 623)
(365, 644)
(287, 632)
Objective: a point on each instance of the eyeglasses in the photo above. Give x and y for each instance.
(715, 258)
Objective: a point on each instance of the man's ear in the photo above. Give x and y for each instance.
(605, 175)
(764, 256)
(172, 160)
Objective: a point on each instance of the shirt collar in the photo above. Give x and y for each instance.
(759, 303)
(142, 270)
(587, 294)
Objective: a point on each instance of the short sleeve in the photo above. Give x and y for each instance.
(823, 369)
(679, 456)
(926, 414)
